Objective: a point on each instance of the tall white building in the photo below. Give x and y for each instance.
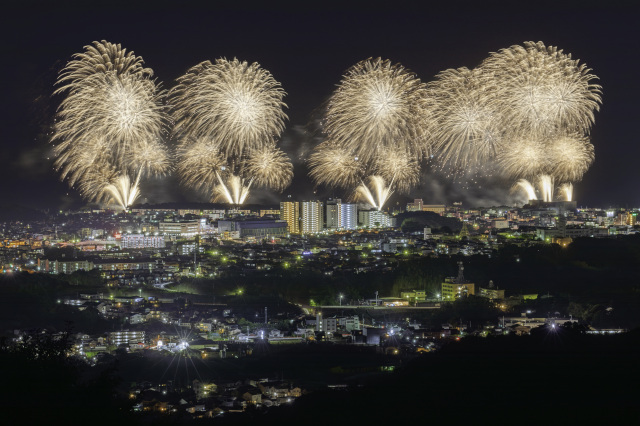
(312, 217)
(333, 213)
(340, 215)
(349, 216)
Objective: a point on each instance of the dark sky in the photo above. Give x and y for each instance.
(307, 51)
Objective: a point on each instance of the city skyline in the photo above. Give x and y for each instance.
(310, 63)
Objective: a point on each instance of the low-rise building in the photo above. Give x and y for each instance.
(455, 287)
(126, 337)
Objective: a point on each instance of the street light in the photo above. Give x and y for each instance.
(341, 296)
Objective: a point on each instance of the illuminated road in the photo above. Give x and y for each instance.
(393, 308)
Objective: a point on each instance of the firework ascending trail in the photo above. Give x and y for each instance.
(232, 190)
(111, 125)
(376, 132)
(229, 115)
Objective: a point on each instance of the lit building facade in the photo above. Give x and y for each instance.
(254, 228)
(416, 206)
(374, 219)
(436, 208)
(65, 267)
(456, 287)
(312, 218)
(126, 337)
(269, 212)
(290, 213)
(340, 215)
(183, 229)
(141, 241)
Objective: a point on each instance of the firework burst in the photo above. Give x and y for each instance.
(571, 156)
(200, 163)
(235, 105)
(399, 169)
(525, 112)
(376, 132)
(110, 126)
(229, 115)
(378, 106)
(524, 158)
(542, 90)
(467, 121)
(334, 165)
(269, 167)
(102, 57)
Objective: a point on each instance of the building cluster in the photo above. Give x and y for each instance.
(208, 399)
(154, 245)
(309, 217)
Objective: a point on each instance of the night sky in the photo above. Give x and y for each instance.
(308, 51)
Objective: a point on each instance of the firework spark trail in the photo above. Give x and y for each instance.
(376, 192)
(229, 115)
(566, 190)
(546, 187)
(232, 191)
(110, 126)
(527, 187)
(123, 191)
